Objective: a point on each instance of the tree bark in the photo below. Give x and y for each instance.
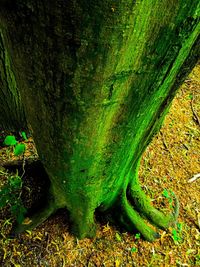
(96, 79)
(12, 117)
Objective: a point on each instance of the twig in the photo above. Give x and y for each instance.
(18, 162)
(194, 178)
(196, 118)
(164, 142)
(23, 165)
(167, 148)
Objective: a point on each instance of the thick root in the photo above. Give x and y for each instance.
(133, 221)
(143, 206)
(83, 224)
(34, 220)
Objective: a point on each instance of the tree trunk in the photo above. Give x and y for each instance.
(96, 79)
(12, 116)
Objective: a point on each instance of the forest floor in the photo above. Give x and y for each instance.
(169, 163)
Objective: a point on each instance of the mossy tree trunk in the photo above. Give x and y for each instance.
(12, 117)
(96, 79)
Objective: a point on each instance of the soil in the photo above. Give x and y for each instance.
(169, 164)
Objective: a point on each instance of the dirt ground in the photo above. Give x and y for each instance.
(172, 159)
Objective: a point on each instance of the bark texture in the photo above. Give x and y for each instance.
(12, 115)
(96, 79)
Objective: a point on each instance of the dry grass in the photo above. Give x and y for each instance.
(169, 162)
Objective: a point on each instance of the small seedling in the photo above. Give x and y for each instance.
(10, 140)
(137, 236)
(175, 236)
(190, 96)
(19, 149)
(166, 193)
(10, 195)
(23, 134)
(168, 196)
(134, 249)
(176, 233)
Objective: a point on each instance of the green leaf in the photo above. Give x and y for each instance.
(190, 96)
(10, 140)
(19, 149)
(134, 249)
(23, 134)
(165, 193)
(175, 235)
(15, 182)
(137, 236)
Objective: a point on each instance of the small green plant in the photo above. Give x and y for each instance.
(190, 96)
(134, 249)
(137, 236)
(10, 195)
(10, 140)
(169, 196)
(19, 149)
(176, 233)
(165, 193)
(23, 134)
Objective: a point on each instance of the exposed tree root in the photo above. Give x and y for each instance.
(133, 218)
(35, 219)
(82, 218)
(143, 206)
(133, 221)
(84, 228)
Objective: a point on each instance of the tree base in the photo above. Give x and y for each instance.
(133, 208)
